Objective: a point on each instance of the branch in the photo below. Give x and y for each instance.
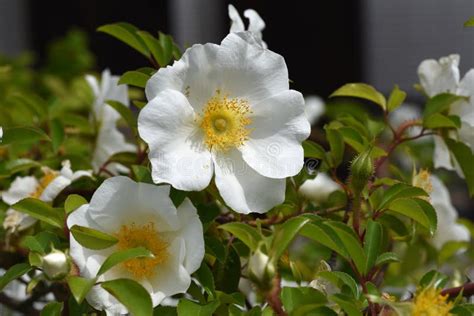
(273, 297)
(466, 290)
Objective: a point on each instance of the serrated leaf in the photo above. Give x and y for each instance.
(13, 273)
(91, 238)
(131, 294)
(247, 234)
(80, 287)
(363, 91)
(41, 211)
(134, 78)
(126, 33)
(73, 202)
(21, 135)
(122, 256)
(396, 98)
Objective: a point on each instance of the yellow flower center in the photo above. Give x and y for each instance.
(430, 302)
(225, 122)
(423, 180)
(132, 236)
(49, 176)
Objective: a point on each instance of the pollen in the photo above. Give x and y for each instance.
(225, 122)
(423, 180)
(132, 236)
(430, 302)
(49, 176)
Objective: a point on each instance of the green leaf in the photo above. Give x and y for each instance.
(131, 294)
(205, 277)
(80, 287)
(57, 134)
(247, 234)
(372, 243)
(469, 22)
(352, 244)
(33, 102)
(398, 191)
(154, 46)
(73, 202)
(438, 120)
(227, 272)
(313, 150)
(52, 309)
(464, 157)
(124, 158)
(41, 211)
(21, 164)
(347, 304)
(20, 135)
(293, 297)
(122, 256)
(125, 113)
(126, 33)
(13, 273)
(141, 174)
(440, 103)
(396, 98)
(361, 90)
(418, 210)
(165, 311)
(387, 257)
(336, 142)
(134, 78)
(187, 308)
(166, 42)
(435, 279)
(41, 242)
(91, 238)
(339, 279)
(285, 235)
(326, 236)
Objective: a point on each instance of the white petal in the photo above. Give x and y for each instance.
(54, 188)
(405, 112)
(439, 76)
(279, 125)
(450, 231)
(319, 188)
(21, 187)
(441, 201)
(442, 157)
(466, 135)
(314, 108)
(243, 189)
(256, 23)
(465, 109)
(171, 277)
(93, 84)
(192, 232)
(237, 25)
(193, 75)
(121, 201)
(249, 71)
(178, 154)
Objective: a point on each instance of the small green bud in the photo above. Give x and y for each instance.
(56, 265)
(362, 169)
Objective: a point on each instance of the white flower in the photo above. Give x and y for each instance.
(139, 214)
(56, 265)
(318, 189)
(259, 266)
(314, 108)
(448, 229)
(1, 133)
(46, 189)
(109, 139)
(406, 112)
(256, 23)
(443, 76)
(226, 110)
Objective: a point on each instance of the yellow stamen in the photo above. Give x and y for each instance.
(131, 236)
(225, 122)
(49, 176)
(423, 180)
(430, 302)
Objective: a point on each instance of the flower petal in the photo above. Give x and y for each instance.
(237, 25)
(439, 76)
(243, 189)
(256, 23)
(178, 154)
(192, 232)
(319, 188)
(314, 108)
(465, 109)
(279, 125)
(21, 188)
(54, 188)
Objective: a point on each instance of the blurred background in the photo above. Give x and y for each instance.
(325, 43)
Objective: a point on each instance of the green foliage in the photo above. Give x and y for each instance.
(13, 273)
(91, 238)
(363, 91)
(131, 294)
(41, 211)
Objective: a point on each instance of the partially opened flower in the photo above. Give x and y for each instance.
(226, 110)
(45, 189)
(443, 76)
(109, 139)
(139, 215)
(256, 23)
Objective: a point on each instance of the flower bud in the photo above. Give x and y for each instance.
(261, 268)
(362, 168)
(56, 265)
